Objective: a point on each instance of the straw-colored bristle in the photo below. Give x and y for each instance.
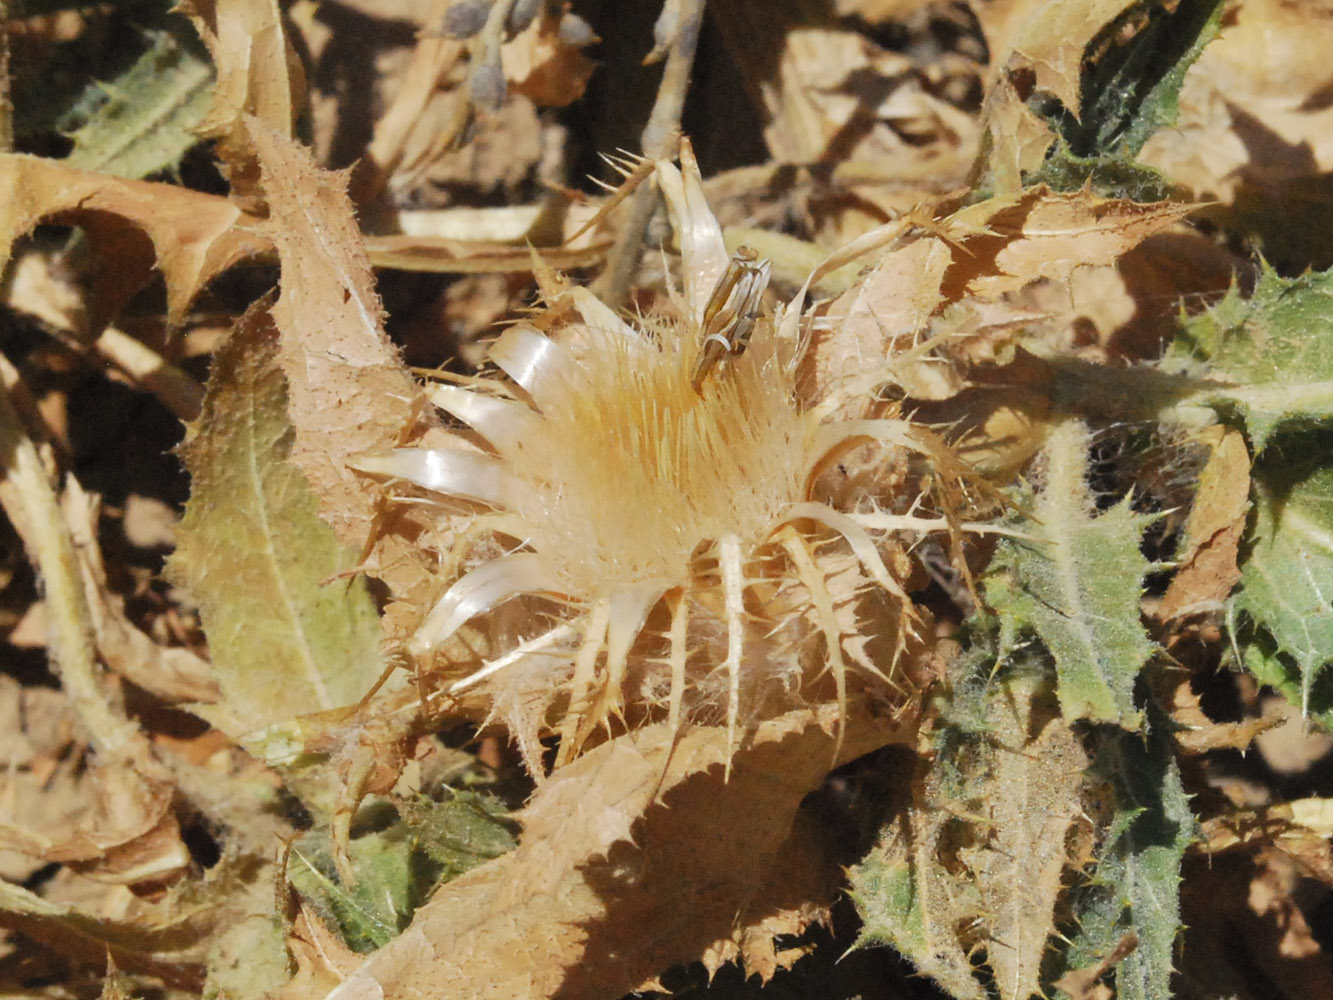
(673, 517)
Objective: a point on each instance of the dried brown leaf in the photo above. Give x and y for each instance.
(1253, 110)
(1019, 138)
(322, 959)
(133, 226)
(1197, 733)
(258, 74)
(170, 952)
(1083, 984)
(621, 871)
(883, 315)
(1208, 558)
(813, 77)
(349, 392)
(1052, 39)
(1050, 235)
(126, 831)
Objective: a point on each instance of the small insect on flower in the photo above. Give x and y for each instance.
(732, 308)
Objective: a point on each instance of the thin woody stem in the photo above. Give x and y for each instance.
(657, 142)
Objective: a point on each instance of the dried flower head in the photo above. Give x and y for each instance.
(673, 519)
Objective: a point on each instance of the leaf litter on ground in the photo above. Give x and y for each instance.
(1001, 315)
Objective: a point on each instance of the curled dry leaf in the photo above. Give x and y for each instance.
(173, 674)
(127, 832)
(258, 74)
(1196, 733)
(133, 227)
(1209, 570)
(171, 953)
(944, 283)
(589, 903)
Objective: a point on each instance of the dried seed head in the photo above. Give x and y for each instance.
(574, 31)
(522, 14)
(464, 19)
(630, 470)
(672, 518)
(487, 85)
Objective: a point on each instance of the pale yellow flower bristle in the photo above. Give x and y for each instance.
(633, 469)
(667, 508)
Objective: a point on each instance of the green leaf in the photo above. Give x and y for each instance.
(1282, 616)
(1130, 89)
(460, 833)
(974, 864)
(284, 641)
(1136, 886)
(1075, 582)
(376, 908)
(398, 866)
(909, 901)
(144, 125)
(1273, 353)
(1030, 790)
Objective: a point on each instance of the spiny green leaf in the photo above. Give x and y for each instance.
(1136, 884)
(143, 126)
(909, 901)
(461, 832)
(253, 552)
(975, 861)
(1075, 582)
(1029, 787)
(1283, 613)
(398, 866)
(374, 910)
(1129, 90)
(1274, 351)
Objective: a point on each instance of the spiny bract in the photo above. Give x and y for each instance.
(692, 565)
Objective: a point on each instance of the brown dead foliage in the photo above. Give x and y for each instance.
(381, 188)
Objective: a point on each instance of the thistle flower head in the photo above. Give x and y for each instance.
(673, 521)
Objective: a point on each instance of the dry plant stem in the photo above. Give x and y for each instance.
(657, 141)
(176, 390)
(431, 60)
(34, 510)
(6, 104)
(142, 365)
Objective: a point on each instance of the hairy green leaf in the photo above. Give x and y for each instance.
(1136, 883)
(398, 866)
(909, 901)
(1075, 583)
(1129, 90)
(284, 641)
(1031, 793)
(975, 861)
(1283, 613)
(1272, 353)
(144, 125)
